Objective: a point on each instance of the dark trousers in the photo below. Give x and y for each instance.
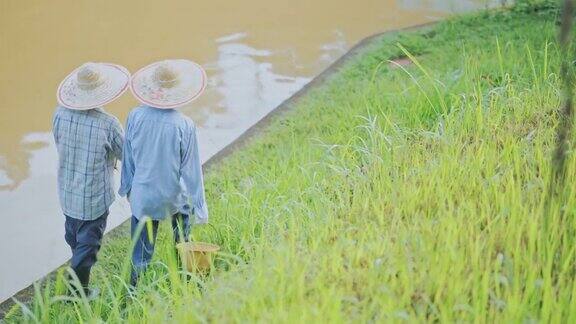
(144, 241)
(84, 238)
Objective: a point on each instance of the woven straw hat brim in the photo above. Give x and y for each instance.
(116, 79)
(191, 85)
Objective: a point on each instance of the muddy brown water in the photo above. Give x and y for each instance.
(256, 52)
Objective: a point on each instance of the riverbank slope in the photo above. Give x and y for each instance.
(387, 194)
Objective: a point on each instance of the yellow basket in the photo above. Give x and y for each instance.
(196, 256)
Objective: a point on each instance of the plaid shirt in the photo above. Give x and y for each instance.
(89, 142)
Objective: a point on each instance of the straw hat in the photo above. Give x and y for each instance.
(93, 85)
(168, 84)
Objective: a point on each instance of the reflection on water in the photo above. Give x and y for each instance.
(256, 52)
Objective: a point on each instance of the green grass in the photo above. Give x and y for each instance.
(386, 195)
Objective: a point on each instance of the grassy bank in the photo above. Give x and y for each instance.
(386, 195)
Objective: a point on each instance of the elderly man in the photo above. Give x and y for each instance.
(89, 141)
(161, 168)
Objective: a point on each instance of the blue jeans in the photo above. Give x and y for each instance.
(144, 248)
(84, 238)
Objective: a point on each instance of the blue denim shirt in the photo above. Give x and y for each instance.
(89, 142)
(161, 168)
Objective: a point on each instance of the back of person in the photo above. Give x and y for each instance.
(156, 140)
(161, 167)
(89, 142)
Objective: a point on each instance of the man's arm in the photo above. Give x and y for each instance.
(127, 163)
(55, 125)
(117, 140)
(191, 173)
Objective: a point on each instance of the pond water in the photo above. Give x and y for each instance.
(256, 52)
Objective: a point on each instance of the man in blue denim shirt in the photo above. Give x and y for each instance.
(89, 142)
(161, 167)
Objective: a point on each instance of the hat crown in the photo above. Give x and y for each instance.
(165, 76)
(88, 77)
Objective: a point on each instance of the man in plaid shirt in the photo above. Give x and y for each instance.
(89, 142)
